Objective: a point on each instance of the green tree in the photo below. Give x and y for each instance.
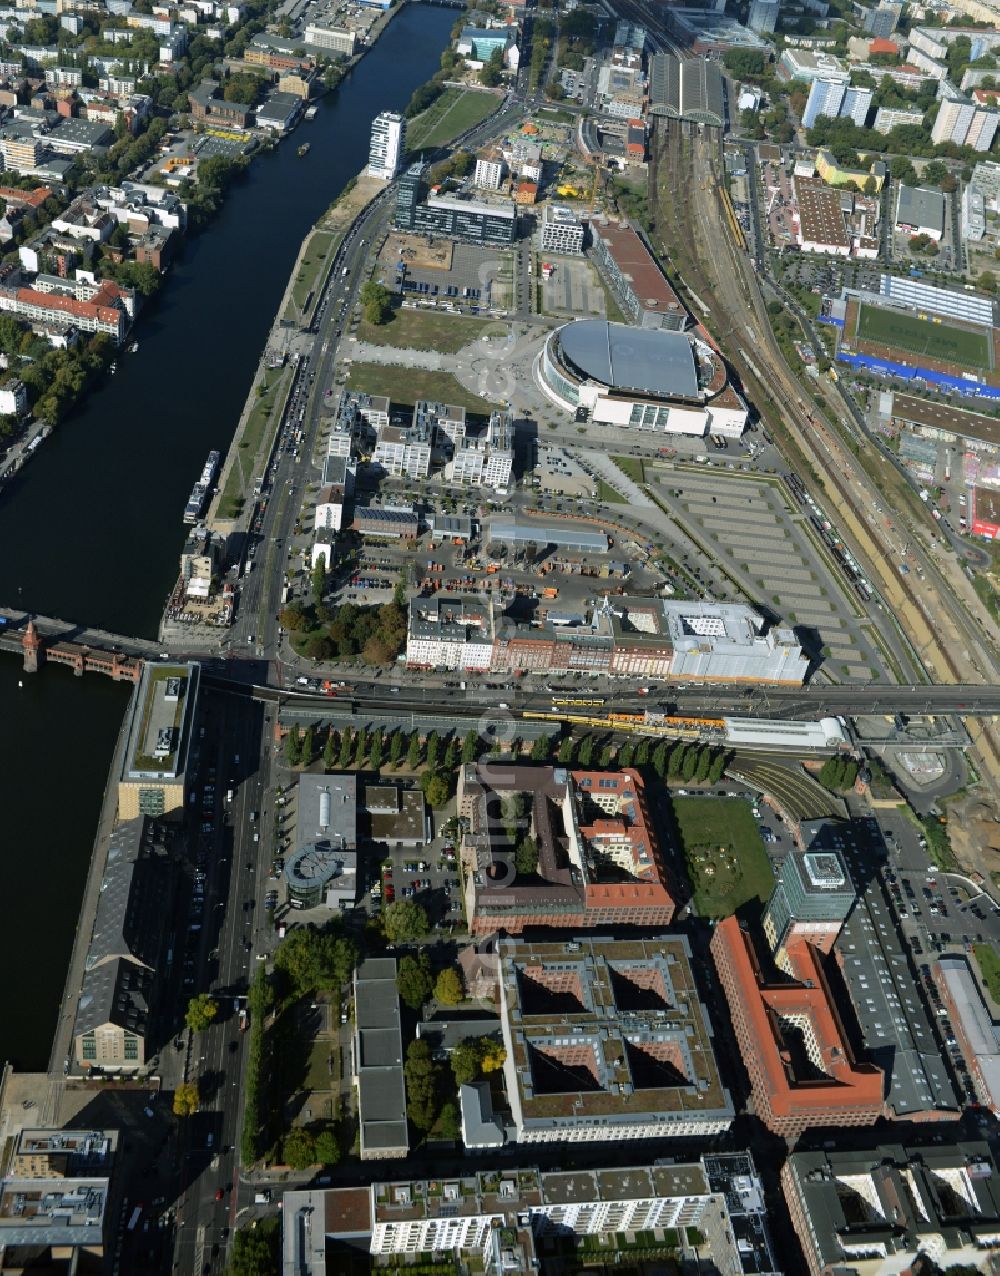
(395, 748)
(327, 1149)
(414, 980)
(450, 761)
(526, 857)
(465, 1061)
(201, 1011)
(299, 1148)
(422, 1079)
(185, 1102)
(642, 751)
(449, 1122)
(435, 788)
(293, 745)
(448, 987)
(314, 960)
(675, 763)
(329, 750)
(414, 752)
(433, 747)
(404, 920)
(564, 755)
(308, 750)
(377, 748)
(360, 747)
(718, 767)
(255, 1249)
(470, 747)
(492, 71)
(293, 617)
(660, 759)
(346, 749)
(607, 756)
(586, 754)
(319, 581)
(541, 749)
(376, 300)
(704, 763)
(625, 754)
(987, 281)
(689, 765)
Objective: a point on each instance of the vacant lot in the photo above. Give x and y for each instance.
(918, 336)
(453, 112)
(407, 385)
(724, 853)
(422, 330)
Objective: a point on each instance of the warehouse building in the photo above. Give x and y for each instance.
(378, 1061)
(607, 1041)
(511, 531)
(635, 277)
(977, 1032)
(920, 211)
(885, 1209)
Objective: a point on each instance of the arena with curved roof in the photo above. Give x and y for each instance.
(643, 378)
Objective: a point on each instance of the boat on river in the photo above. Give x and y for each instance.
(304, 148)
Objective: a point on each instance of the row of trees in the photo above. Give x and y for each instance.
(342, 750)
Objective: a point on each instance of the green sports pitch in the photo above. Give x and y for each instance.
(941, 341)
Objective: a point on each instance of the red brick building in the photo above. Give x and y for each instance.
(793, 1044)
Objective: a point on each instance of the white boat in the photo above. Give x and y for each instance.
(133, 347)
(114, 368)
(311, 112)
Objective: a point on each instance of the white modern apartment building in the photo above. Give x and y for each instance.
(491, 169)
(963, 122)
(402, 452)
(388, 143)
(973, 213)
(562, 230)
(485, 459)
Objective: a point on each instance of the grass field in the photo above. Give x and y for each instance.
(725, 856)
(989, 964)
(311, 266)
(406, 385)
(453, 112)
(922, 336)
(632, 466)
(422, 330)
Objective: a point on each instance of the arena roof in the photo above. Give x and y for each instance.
(651, 360)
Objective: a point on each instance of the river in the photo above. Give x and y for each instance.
(93, 527)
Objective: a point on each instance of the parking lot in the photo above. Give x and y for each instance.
(470, 277)
(785, 570)
(573, 288)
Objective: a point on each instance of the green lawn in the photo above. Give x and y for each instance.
(312, 264)
(725, 856)
(989, 965)
(422, 330)
(231, 501)
(923, 336)
(632, 466)
(406, 385)
(608, 495)
(454, 111)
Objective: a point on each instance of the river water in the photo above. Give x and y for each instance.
(92, 530)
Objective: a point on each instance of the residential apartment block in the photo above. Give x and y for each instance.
(491, 169)
(562, 230)
(449, 633)
(504, 1222)
(388, 145)
(883, 1210)
(55, 1199)
(965, 123)
(607, 1040)
(481, 457)
(336, 39)
(51, 301)
(599, 860)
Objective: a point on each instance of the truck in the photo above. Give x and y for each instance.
(550, 591)
(244, 1019)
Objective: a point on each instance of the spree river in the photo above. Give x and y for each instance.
(92, 530)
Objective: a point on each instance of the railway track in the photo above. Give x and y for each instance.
(716, 272)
